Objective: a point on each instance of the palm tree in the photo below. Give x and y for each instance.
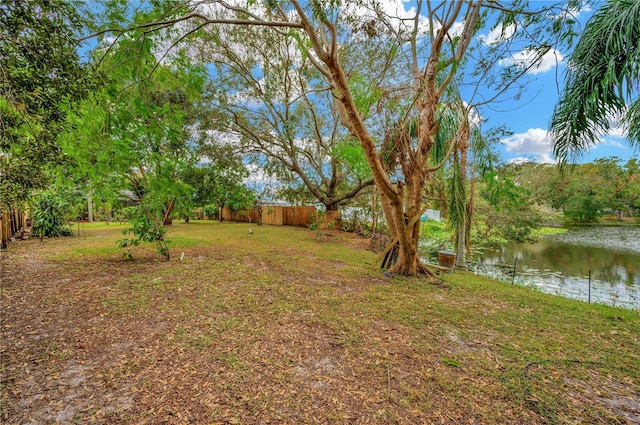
(603, 81)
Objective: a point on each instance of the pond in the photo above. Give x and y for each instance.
(561, 264)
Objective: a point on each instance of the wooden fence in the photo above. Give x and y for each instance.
(243, 217)
(297, 216)
(10, 223)
(281, 216)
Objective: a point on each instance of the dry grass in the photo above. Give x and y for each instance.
(274, 327)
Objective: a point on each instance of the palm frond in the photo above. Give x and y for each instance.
(457, 196)
(602, 78)
(632, 122)
(449, 117)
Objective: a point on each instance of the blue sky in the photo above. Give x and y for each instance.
(529, 117)
(529, 120)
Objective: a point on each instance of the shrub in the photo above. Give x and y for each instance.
(49, 215)
(210, 211)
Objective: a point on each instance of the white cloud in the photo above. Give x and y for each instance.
(545, 158)
(398, 8)
(535, 142)
(457, 28)
(498, 34)
(215, 137)
(519, 160)
(257, 176)
(617, 128)
(612, 141)
(527, 58)
(574, 13)
(398, 14)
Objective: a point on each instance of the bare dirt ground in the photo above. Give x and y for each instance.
(224, 337)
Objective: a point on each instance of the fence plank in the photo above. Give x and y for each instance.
(3, 237)
(298, 216)
(274, 215)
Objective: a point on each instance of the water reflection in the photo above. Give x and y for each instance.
(561, 264)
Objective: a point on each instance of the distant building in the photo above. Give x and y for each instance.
(431, 215)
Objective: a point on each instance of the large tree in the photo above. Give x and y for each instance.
(271, 97)
(40, 73)
(138, 133)
(427, 51)
(601, 89)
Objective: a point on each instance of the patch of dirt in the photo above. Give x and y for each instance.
(582, 384)
(618, 396)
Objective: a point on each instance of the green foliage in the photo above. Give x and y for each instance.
(40, 74)
(145, 229)
(365, 93)
(218, 181)
(501, 191)
(211, 210)
(315, 222)
(457, 197)
(50, 215)
(435, 237)
(242, 200)
(507, 212)
(136, 135)
(583, 206)
(126, 213)
(588, 191)
(519, 224)
(451, 362)
(351, 153)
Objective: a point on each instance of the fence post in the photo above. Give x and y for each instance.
(515, 263)
(589, 286)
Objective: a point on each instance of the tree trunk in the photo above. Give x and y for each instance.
(461, 261)
(90, 205)
(401, 201)
(470, 210)
(373, 210)
(461, 227)
(403, 217)
(166, 220)
(4, 231)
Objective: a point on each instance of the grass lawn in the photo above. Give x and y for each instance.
(277, 327)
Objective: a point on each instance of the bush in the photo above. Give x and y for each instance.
(434, 238)
(145, 229)
(210, 211)
(49, 215)
(125, 214)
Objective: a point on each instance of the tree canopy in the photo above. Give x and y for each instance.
(267, 95)
(40, 74)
